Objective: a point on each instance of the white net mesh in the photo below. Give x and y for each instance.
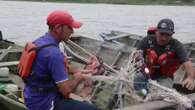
(124, 81)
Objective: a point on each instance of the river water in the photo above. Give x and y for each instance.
(24, 21)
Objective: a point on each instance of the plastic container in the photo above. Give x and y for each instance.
(4, 72)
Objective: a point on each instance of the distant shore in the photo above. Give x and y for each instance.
(128, 2)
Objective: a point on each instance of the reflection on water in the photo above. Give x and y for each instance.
(23, 21)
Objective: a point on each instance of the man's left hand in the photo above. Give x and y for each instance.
(95, 65)
(189, 83)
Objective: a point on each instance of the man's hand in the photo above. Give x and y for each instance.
(79, 77)
(82, 77)
(94, 64)
(68, 86)
(189, 83)
(86, 71)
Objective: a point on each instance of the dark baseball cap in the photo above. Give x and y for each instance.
(166, 26)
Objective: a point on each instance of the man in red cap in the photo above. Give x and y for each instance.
(48, 87)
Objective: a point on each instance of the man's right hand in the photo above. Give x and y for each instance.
(79, 77)
(188, 83)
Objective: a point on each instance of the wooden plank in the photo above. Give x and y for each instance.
(11, 50)
(155, 105)
(5, 52)
(114, 47)
(11, 104)
(116, 37)
(131, 36)
(5, 80)
(192, 48)
(149, 106)
(116, 59)
(11, 63)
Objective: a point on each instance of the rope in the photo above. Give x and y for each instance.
(127, 74)
(157, 91)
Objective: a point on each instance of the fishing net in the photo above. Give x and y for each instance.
(118, 91)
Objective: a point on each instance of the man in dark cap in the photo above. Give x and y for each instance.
(164, 55)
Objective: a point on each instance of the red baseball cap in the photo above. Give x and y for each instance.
(62, 17)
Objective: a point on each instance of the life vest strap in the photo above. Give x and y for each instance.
(42, 89)
(34, 77)
(37, 49)
(43, 80)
